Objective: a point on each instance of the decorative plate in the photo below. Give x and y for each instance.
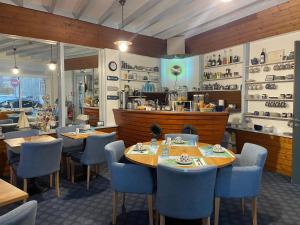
(184, 163)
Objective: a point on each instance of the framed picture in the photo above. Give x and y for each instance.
(275, 56)
(269, 77)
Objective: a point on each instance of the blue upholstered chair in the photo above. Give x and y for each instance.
(127, 178)
(185, 193)
(6, 121)
(185, 137)
(23, 215)
(69, 145)
(93, 153)
(242, 180)
(40, 159)
(11, 155)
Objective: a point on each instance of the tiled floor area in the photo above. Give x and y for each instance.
(279, 203)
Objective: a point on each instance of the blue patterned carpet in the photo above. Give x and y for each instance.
(279, 203)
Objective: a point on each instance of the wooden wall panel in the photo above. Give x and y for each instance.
(279, 150)
(35, 24)
(86, 62)
(274, 21)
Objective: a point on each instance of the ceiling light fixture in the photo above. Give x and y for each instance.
(52, 63)
(226, 0)
(15, 70)
(122, 44)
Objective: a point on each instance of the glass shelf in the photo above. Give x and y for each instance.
(267, 82)
(268, 117)
(266, 100)
(227, 78)
(266, 64)
(223, 65)
(144, 71)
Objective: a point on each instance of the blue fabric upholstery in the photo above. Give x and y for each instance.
(39, 159)
(6, 121)
(185, 193)
(244, 177)
(127, 178)
(185, 137)
(94, 149)
(23, 215)
(69, 145)
(11, 156)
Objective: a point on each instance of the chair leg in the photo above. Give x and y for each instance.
(25, 188)
(88, 174)
(217, 210)
(50, 181)
(206, 221)
(161, 220)
(11, 174)
(243, 205)
(72, 171)
(254, 211)
(150, 209)
(156, 217)
(68, 167)
(57, 184)
(114, 209)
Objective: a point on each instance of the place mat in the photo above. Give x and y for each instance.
(150, 150)
(207, 151)
(184, 144)
(171, 161)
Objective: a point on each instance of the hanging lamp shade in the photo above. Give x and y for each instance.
(15, 70)
(52, 63)
(122, 44)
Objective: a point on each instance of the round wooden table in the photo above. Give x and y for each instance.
(152, 160)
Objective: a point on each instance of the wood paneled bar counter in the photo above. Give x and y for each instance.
(134, 125)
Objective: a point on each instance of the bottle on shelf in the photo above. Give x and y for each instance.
(230, 58)
(225, 57)
(214, 62)
(262, 57)
(219, 60)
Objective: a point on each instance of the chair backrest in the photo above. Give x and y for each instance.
(39, 159)
(114, 152)
(189, 129)
(94, 149)
(185, 193)
(253, 155)
(21, 133)
(185, 137)
(68, 142)
(155, 130)
(6, 121)
(23, 215)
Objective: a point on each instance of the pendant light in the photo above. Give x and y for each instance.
(15, 70)
(122, 44)
(52, 63)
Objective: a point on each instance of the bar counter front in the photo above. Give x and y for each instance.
(134, 125)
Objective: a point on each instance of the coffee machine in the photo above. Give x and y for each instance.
(123, 99)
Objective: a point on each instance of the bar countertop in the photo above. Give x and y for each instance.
(163, 112)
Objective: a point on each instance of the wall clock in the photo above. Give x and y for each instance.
(112, 65)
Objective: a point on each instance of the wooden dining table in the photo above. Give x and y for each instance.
(16, 143)
(10, 194)
(192, 151)
(81, 136)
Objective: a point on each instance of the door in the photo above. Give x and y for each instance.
(296, 124)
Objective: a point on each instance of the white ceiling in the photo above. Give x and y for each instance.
(157, 18)
(39, 51)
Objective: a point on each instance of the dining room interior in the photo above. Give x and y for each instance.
(149, 112)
